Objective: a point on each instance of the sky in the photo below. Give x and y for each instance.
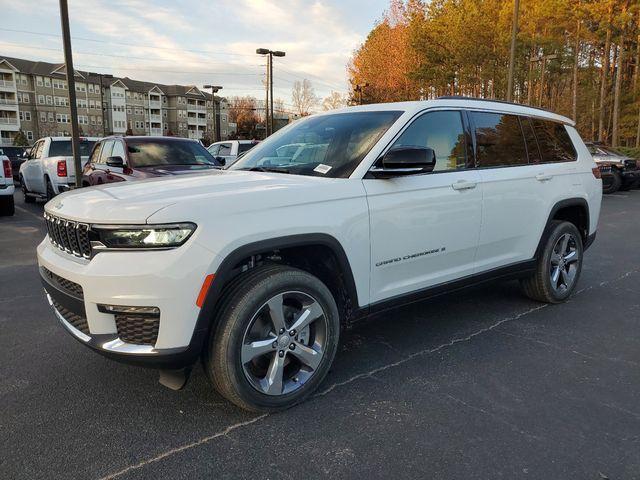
(198, 42)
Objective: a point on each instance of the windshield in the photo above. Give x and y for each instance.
(62, 148)
(326, 145)
(151, 153)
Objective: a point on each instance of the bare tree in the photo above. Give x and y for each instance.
(303, 97)
(333, 101)
(244, 112)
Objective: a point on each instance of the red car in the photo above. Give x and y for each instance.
(117, 159)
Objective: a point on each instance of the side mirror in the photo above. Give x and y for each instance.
(407, 160)
(116, 162)
(222, 161)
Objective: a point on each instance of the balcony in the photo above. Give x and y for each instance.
(155, 104)
(8, 104)
(9, 124)
(7, 84)
(155, 118)
(193, 106)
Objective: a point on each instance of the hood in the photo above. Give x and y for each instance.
(194, 194)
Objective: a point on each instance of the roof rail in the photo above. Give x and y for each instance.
(476, 99)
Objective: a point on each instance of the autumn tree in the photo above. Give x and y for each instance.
(244, 112)
(303, 97)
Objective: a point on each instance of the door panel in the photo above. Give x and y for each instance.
(423, 231)
(424, 228)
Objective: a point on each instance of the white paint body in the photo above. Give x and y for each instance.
(6, 184)
(34, 171)
(497, 223)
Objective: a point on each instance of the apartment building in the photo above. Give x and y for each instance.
(34, 99)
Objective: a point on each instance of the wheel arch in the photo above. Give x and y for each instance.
(279, 250)
(574, 210)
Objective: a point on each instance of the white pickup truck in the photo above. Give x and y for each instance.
(6, 187)
(49, 169)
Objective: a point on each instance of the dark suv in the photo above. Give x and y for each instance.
(117, 159)
(16, 155)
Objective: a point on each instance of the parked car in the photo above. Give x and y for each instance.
(118, 159)
(619, 172)
(228, 152)
(6, 187)
(49, 168)
(253, 269)
(17, 157)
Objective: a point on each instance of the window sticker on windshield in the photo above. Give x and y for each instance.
(322, 168)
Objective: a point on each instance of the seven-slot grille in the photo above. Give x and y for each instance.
(70, 236)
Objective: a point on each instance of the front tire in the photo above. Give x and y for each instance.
(25, 192)
(558, 266)
(276, 338)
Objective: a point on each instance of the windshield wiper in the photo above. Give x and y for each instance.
(266, 169)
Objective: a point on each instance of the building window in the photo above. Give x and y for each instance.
(49, 100)
(92, 118)
(47, 82)
(128, 110)
(27, 116)
(90, 87)
(41, 99)
(43, 116)
(20, 116)
(29, 135)
(39, 81)
(50, 116)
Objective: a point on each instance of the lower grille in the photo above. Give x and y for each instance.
(76, 321)
(66, 285)
(138, 329)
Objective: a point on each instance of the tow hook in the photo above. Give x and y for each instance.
(175, 379)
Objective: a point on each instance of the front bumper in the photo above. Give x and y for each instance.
(169, 280)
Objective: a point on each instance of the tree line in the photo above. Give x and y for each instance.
(579, 58)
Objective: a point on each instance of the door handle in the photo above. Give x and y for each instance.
(541, 177)
(463, 185)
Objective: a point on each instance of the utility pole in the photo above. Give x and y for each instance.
(268, 106)
(71, 83)
(512, 57)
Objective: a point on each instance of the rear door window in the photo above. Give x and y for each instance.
(499, 140)
(554, 141)
(530, 139)
(225, 149)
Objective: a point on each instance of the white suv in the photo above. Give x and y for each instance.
(255, 269)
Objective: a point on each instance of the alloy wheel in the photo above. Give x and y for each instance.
(565, 258)
(284, 343)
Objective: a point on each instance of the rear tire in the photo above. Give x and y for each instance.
(7, 207)
(615, 184)
(558, 266)
(276, 337)
(25, 192)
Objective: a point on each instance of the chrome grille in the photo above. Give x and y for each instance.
(68, 235)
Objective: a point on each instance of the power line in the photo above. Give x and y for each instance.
(208, 52)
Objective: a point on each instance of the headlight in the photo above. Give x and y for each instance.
(142, 236)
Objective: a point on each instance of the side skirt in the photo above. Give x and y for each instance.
(509, 272)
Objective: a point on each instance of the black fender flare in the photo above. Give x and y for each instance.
(569, 202)
(225, 273)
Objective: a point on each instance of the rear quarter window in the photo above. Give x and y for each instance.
(554, 141)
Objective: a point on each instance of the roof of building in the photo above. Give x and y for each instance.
(55, 69)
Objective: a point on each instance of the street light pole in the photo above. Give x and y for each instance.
(268, 108)
(216, 131)
(512, 57)
(71, 84)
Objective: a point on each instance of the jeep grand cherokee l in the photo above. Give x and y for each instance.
(254, 269)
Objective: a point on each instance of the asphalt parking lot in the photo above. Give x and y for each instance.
(475, 385)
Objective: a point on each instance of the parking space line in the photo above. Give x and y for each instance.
(359, 376)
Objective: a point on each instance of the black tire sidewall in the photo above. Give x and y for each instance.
(243, 307)
(49, 187)
(557, 231)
